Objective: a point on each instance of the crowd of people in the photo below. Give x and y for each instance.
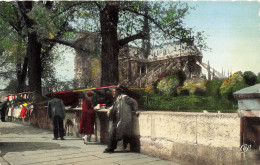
(120, 107)
(16, 106)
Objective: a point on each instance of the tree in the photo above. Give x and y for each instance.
(12, 41)
(250, 78)
(110, 45)
(146, 43)
(40, 26)
(33, 48)
(166, 20)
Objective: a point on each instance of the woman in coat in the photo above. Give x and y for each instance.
(87, 119)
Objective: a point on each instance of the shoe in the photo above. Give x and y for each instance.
(108, 150)
(55, 139)
(84, 140)
(62, 138)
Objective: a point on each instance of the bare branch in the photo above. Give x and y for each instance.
(67, 44)
(148, 17)
(68, 8)
(128, 39)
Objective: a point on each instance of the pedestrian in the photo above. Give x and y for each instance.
(87, 119)
(24, 111)
(56, 112)
(4, 108)
(121, 115)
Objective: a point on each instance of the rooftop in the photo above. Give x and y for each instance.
(249, 92)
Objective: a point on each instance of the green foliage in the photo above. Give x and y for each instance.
(232, 84)
(165, 18)
(199, 92)
(212, 88)
(192, 85)
(167, 84)
(187, 103)
(208, 98)
(250, 78)
(216, 95)
(184, 92)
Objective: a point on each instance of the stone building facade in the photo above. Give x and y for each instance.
(137, 71)
(134, 70)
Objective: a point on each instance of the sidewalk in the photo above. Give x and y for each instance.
(22, 145)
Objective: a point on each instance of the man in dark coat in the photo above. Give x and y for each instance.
(56, 112)
(4, 107)
(121, 115)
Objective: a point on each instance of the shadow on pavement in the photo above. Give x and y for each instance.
(6, 147)
(23, 130)
(122, 151)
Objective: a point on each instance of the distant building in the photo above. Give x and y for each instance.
(134, 70)
(137, 71)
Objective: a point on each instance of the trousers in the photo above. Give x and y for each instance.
(3, 114)
(58, 129)
(112, 141)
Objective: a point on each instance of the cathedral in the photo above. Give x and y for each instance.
(134, 69)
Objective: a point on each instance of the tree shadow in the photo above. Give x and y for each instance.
(6, 147)
(23, 130)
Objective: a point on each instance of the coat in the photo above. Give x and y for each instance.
(4, 107)
(23, 112)
(87, 119)
(121, 115)
(56, 108)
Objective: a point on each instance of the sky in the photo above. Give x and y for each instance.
(232, 29)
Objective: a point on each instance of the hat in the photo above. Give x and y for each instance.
(89, 94)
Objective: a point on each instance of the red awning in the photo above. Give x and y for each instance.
(68, 97)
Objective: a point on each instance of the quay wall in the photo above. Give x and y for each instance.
(191, 138)
(187, 138)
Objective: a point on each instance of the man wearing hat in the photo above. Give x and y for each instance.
(122, 120)
(87, 119)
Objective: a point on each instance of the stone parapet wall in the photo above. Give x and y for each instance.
(192, 138)
(216, 130)
(188, 138)
(40, 118)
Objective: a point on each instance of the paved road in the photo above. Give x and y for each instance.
(24, 145)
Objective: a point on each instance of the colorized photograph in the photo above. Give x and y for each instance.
(130, 82)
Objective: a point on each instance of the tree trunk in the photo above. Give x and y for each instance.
(146, 43)
(18, 65)
(22, 76)
(21, 71)
(33, 50)
(34, 60)
(110, 45)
